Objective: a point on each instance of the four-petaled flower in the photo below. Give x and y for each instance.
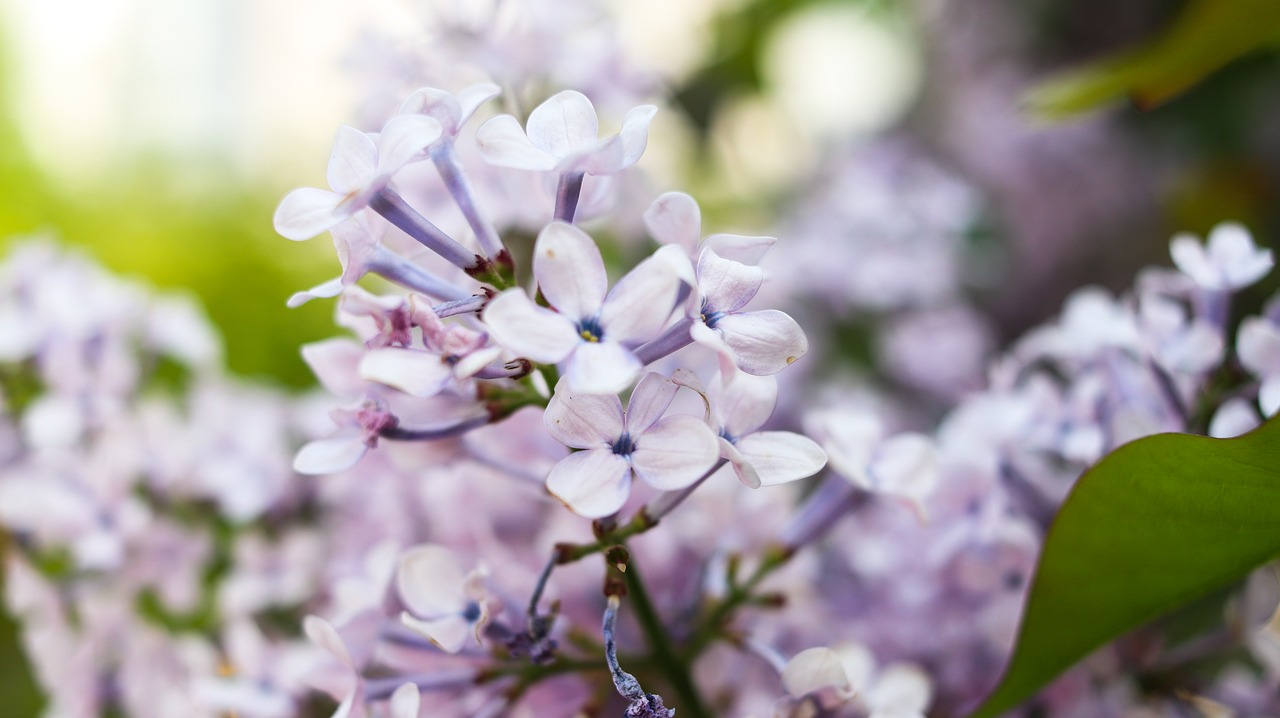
(669, 453)
(445, 604)
(1228, 262)
(594, 332)
(359, 169)
(741, 405)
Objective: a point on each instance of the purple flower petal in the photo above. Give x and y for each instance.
(781, 456)
(602, 368)
(330, 456)
(306, 212)
(675, 452)
(642, 301)
(412, 371)
(674, 218)
(528, 330)
(570, 271)
(354, 161)
(581, 420)
(763, 342)
(502, 142)
(649, 400)
(593, 483)
(564, 124)
(727, 285)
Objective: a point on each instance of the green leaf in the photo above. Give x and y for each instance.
(1157, 524)
(1206, 36)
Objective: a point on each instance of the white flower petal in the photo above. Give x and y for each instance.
(470, 100)
(635, 133)
(850, 439)
(906, 466)
(740, 248)
(330, 456)
(745, 472)
(812, 670)
(306, 212)
(726, 285)
(1258, 344)
(430, 581)
(649, 400)
(1269, 396)
(334, 362)
(436, 104)
(764, 342)
(570, 271)
(602, 368)
(1189, 256)
(675, 452)
(403, 139)
(643, 300)
(503, 143)
(902, 689)
(593, 483)
(1233, 418)
(564, 124)
(744, 402)
(448, 632)
(414, 372)
(406, 701)
(528, 330)
(582, 421)
(331, 288)
(1239, 261)
(674, 218)
(326, 636)
(782, 456)
(354, 161)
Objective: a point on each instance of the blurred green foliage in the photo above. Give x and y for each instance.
(1207, 35)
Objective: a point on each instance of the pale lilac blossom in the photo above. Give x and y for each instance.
(667, 452)
(1228, 261)
(443, 603)
(741, 405)
(593, 333)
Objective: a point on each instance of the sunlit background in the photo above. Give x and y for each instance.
(162, 134)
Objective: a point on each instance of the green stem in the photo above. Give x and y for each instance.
(669, 663)
(739, 594)
(569, 552)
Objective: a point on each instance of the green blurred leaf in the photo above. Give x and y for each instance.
(1206, 36)
(1156, 525)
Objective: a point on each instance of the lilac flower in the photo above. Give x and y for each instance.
(669, 453)
(349, 689)
(758, 342)
(1258, 344)
(359, 169)
(741, 405)
(594, 332)
(452, 111)
(1229, 261)
(674, 218)
(562, 134)
(902, 466)
(444, 604)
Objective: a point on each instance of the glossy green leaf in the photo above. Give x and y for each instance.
(1205, 37)
(1155, 525)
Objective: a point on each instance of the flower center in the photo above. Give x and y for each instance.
(590, 330)
(624, 446)
(710, 316)
(471, 613)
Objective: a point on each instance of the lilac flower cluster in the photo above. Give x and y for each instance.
(555, 482)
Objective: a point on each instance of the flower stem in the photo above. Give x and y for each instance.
(672, 666)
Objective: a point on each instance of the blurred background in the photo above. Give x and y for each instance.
(161, 135)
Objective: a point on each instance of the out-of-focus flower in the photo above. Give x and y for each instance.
(444, 603)
(1229, 261)
(903, 465)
